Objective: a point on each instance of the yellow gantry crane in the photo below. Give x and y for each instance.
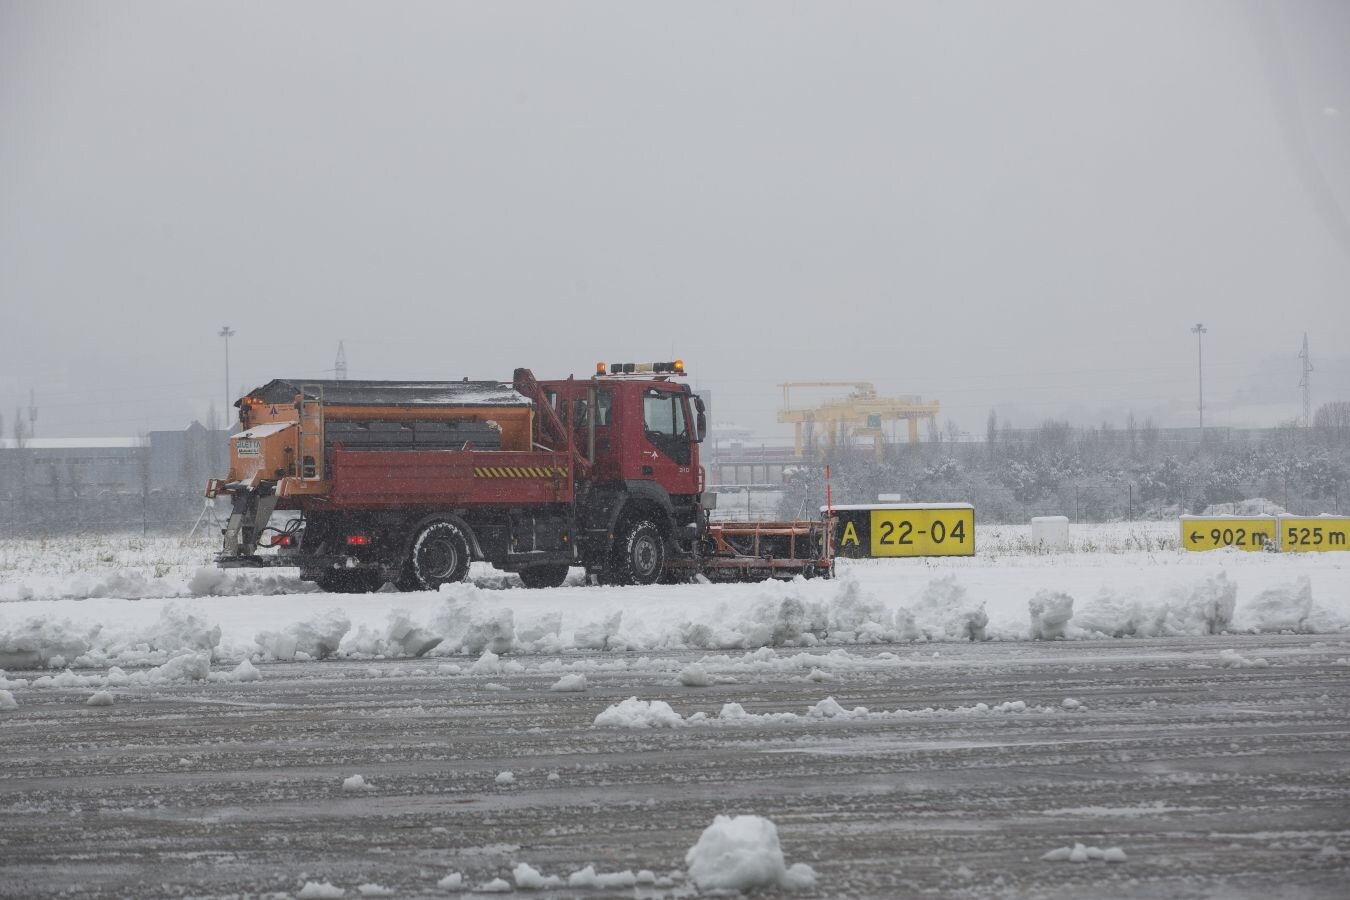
(842, 421)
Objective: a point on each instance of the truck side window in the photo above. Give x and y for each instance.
(603, 401)
(662, 413)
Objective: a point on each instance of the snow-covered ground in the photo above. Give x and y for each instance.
(143, 602)
(1120, 719)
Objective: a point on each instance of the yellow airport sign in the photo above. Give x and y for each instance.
(1217, 532)
(1314, 534)
(905, 529)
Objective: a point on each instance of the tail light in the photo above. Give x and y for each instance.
(283, 540)
(358, 540)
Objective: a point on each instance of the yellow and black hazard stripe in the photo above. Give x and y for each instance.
(518, 472)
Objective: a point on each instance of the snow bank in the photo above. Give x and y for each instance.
(742, 853)
(1072, 596)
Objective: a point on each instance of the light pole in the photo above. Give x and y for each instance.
(227, 332)
(1199, 332)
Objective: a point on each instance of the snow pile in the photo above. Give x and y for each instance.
(505, 779)
(589, 878)
(1287, 607)
(491, 664)
(400, 636)
(694, 675)
(1081, 853)
(602, 635)
(7, 700)
(528, 878)
(1207, 608)
(1050, 615)
(944, 610)
(472, 621)
(99, 698)
(371, 889)
(635, 713)
(1204, 607)
(570, 683)
(245, 671)
(40, 643)
(1231, 659)
(495, 886)
(315, 638)
(319, 890)
(742, 853)
(184, 667)
(452, 882)
(356, 783)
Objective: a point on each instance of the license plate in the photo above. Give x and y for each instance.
(247, 447)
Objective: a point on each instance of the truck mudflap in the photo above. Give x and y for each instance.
(755, 551)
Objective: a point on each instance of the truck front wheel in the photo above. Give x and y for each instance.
(639, 553)
(440, 555)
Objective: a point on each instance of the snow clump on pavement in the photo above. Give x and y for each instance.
(495, 886)
(99, 698)
(356, 783)
(1080, 853)
(452, 882)
(318, 890)
(570, 683)
(635, 713)
(528, 878)
(1231, 659)
(505, 778)
(742, 853)
(371, 889)
(7, 700)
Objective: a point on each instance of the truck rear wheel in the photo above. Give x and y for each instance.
(544, 576)
(440, 555)
(639, 554)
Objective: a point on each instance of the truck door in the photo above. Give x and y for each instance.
(668, 452)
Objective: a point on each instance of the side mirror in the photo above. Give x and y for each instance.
(700, 420)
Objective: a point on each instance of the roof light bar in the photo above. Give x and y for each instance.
(675, 367)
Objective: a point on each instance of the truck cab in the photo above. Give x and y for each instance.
(641, 431)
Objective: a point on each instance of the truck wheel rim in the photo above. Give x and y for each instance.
(437, 558)
(644, 555)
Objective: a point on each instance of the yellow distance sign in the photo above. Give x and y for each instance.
(1315, 534)
(923, 532)
(1244, 533)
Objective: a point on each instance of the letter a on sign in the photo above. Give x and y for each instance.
(850, 535)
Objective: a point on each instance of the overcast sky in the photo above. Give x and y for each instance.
(1023, 206)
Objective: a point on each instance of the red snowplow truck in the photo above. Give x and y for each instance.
(407, 482)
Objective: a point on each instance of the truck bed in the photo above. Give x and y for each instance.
(385, 479)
